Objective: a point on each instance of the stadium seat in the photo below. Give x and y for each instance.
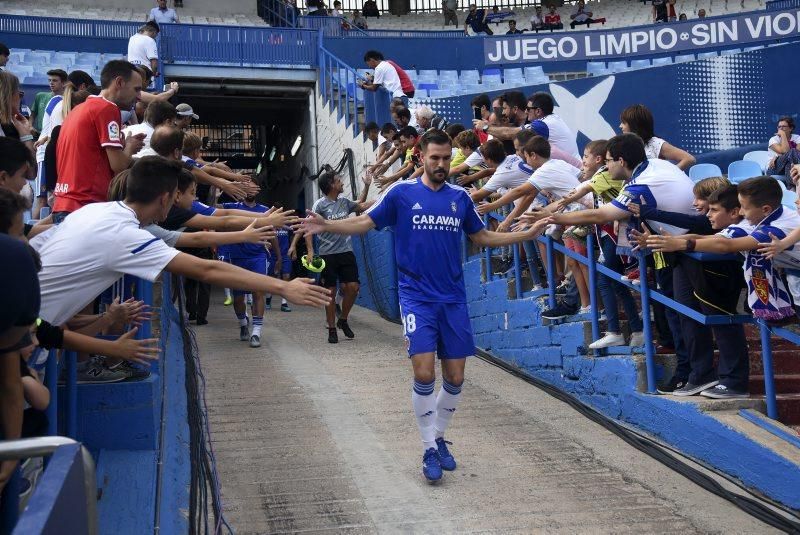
(704, 170)
(426, 87)
(640, 63)
(683, 58)
(706, 55)
(513, 74)
(596, 68)
(440, 93)
(789, 199)
(730, 51)
(751, 48)
(534, 72)
(470, 76)
(492, 72)
(742, 170)
(659, 62)
(617, 66)
(20, 71)
(761, 157)
(432, 74)
(492, 79)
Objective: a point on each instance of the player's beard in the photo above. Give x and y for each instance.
(437, 175)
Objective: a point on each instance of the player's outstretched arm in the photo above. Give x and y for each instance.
(315, 223)
(711, 244)
(299, 291)
(211, 239)
(487, 238)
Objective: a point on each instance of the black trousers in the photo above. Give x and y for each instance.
(664, 277)
(198, 294)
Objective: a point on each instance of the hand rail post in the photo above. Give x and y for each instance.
(551, 273)
(9, 502)
(487, 254)
(592, 265)
(649, 350)
(517, 272)
(144, 292)
(71, 388)
(769, 373)
(51, 381)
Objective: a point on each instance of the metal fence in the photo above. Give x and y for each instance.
(339, 89)
(435, 6)
(647, 296)
(780, 5)
(108, 29)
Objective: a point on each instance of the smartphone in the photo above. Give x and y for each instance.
(167, 87)
(476, 112)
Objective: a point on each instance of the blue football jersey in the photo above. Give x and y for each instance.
(245, 250)
(428, 241)
(284, 240)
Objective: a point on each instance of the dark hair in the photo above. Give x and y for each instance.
(13, 155)
(434, 136)
(762, 191)
(11, 205)
(598, 147)
(388, 127)
(727, 197)
(639, 121)
(185, 180)
(153, 25)
(468, 138)
(61, 73)
(371, 126)
(515, 98)
(159, 111)
(543, 101)
(537, 145)
(166, 140)
(114, 69)
(150, 178)
(79, 78)
(408, 131)
(454, 129)
(524, 135)
(629, 147)
(373, 54)
(145, 71)
(325, 181)
(787, 119)
(493, 150)
(4, 51)
(481, 101)
(403, 112)
(118, 188)
(512, 21)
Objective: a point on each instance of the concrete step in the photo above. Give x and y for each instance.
(784, 384)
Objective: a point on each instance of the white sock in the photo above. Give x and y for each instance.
(446, 405)
(258, 321)
(249, 299)
(284, 301)
(424, 403)
(242, 320)
(227, 293)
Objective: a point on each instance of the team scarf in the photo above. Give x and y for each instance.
(767, 294)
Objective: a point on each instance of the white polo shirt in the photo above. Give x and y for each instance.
(140, 128)
(561, 135)
(511, 173)
(386, 76)
(555, 179)
(141, 49)
(89, 251)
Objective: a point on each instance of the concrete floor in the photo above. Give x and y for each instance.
(313, 437)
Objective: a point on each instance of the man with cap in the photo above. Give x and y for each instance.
(185, 116)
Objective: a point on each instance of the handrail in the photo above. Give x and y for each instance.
(646, 295)
(336, 92)
(42, 446)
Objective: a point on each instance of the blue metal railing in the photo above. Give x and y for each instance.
(339, 88)
(647, 295)
(278, 13)
(779, 5)
(108, 29)
(238, 46)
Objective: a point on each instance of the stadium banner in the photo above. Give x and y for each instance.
(730, 31)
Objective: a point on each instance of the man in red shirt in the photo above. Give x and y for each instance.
(91, 148)
(405, 81)
(552, 21)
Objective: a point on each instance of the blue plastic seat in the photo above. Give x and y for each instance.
(428, 73)
(448, 75)
(683, 58)
(761, 157)
(789, 198)
(469, 75)
(440, 93)
(596, 68)
(492, 72)
(659, 62)
(704, 170)
(752, 48)
(706, 55)
(426, 87)
(534, 72)
(513, 74)
(492, 79)
(730, 51)
(742, 170)
(617, 66)
(640, 63)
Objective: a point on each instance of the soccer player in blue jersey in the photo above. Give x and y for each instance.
(428, 216)
(252, 257)
(281, 262)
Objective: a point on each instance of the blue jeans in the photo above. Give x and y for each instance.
(532, 257)
(610, 290)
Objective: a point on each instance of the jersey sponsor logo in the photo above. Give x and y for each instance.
(436, 222)
(61, 187)
(113, 130)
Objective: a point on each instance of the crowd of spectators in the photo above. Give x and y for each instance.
(520, 161)
(117, 198)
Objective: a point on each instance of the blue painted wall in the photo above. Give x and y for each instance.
(378, 273)
(512, 329)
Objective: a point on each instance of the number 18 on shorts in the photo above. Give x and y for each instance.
(443, 328)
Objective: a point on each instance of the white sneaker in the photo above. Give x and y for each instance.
(585, 310)
(637, 339)
(609, 340)
(537, 287)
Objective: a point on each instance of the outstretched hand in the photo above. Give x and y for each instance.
(641, 237)
(302, 291)
(312, 224)
(772, 249)
(665, 242)
(127, 347)
(261, 235)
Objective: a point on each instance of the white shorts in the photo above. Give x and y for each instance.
(40, 184)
